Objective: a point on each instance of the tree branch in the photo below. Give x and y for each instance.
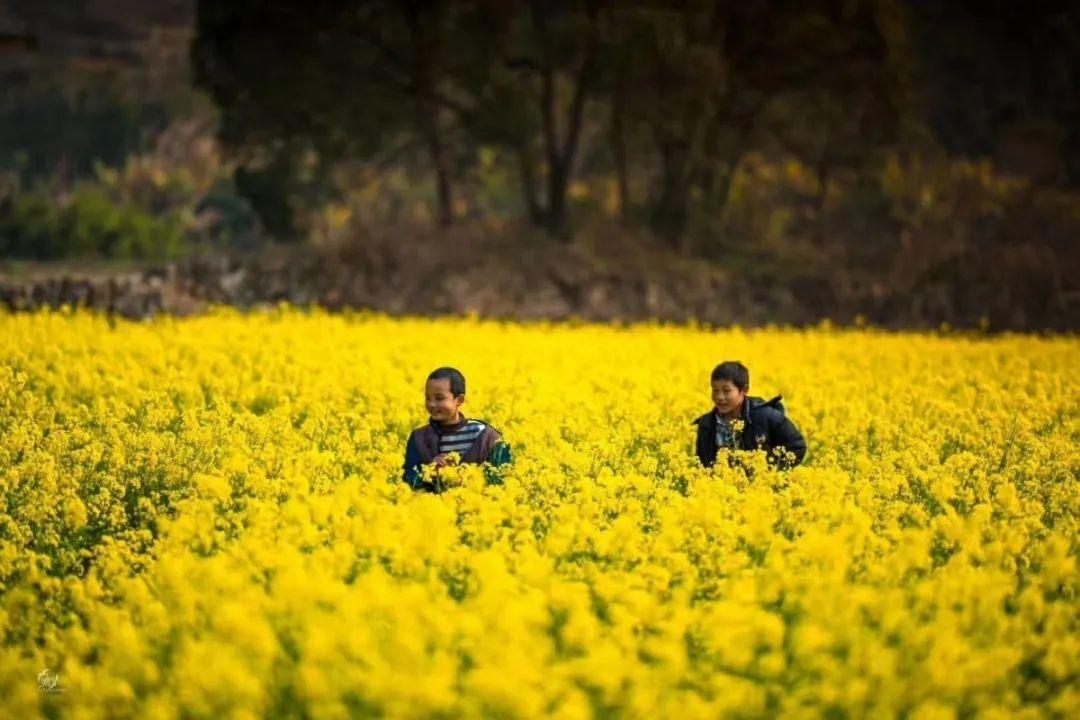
(577, 105)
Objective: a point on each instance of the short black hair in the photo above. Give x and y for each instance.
(457, 380)
(734, 372)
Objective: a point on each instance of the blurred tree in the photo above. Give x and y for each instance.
(567, 44)
(424, 19)
(300, 86)
(712, 80)
(680, 91)
(359, 79)
(854, 102)
(533, 69)
(1002, 79)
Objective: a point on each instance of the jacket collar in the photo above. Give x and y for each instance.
(440, 429)
(750, 403)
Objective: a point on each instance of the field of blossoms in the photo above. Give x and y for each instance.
(204, 518)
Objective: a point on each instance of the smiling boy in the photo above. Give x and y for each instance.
(449, 436)
(739, 422)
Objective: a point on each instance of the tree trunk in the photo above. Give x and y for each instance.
(717, 179)
(669, 215)
(820, 202)
(618, 145)
(548, 100)
(425, 50)
(561, 155)
(442, 170)
(557, 219)
(528, 185)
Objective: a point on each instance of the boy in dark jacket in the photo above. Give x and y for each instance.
(746, 423)
(449, 437)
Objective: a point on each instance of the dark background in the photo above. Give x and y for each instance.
(910, 163)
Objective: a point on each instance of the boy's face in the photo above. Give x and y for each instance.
(726, 397)
(442, 405)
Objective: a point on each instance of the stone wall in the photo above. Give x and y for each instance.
(454, 272)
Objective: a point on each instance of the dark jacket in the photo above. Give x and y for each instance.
(423, 446)
(765, 427)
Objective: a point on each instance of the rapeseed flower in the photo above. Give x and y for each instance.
(205, 518)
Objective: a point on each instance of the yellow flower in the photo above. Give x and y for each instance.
(206, 517)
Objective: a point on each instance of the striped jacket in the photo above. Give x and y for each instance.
(476, 442)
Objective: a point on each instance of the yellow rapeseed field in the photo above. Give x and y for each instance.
(204, 518)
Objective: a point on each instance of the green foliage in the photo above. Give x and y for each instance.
(89, 222)
(156, 205)
(30, 226)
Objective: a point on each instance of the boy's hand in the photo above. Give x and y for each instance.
(444, 459)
